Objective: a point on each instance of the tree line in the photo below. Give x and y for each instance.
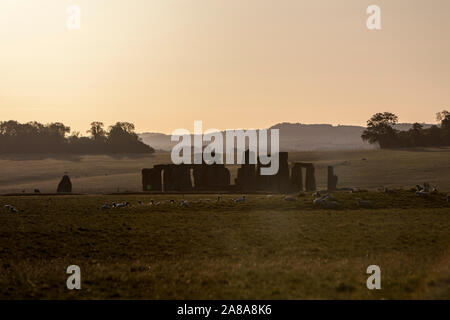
(381, 130)
(34, 137)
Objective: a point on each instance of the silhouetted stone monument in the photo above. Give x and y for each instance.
(65, 186)
(297, 178)
(151, 180)
(282, 176)
(216, 177)
(310, 182)
(332, 179)
(246, 175)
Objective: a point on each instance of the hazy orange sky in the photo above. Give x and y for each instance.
(162, 64)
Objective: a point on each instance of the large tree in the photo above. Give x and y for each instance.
(97, 131)
(380, 129)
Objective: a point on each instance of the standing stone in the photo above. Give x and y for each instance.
(310, 183)
(65, 186)
(297, 178)
(332, 179)
(151, 179)
(283, 173)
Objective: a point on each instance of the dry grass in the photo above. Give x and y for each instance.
(99, 174)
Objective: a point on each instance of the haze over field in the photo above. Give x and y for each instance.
(297, 137)
(98, 174)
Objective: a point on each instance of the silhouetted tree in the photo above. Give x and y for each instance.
(34, 137)
(380, 129)
(97, 131)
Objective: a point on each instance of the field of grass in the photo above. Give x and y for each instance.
(265, 248)
(100, 174)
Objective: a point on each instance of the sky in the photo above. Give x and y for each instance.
(161, 64)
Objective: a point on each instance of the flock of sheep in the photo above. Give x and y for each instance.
(153, 203)
(322, 199)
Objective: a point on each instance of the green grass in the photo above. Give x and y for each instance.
(266, 248)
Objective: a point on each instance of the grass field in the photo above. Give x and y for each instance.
(265, 248)
(100, 174)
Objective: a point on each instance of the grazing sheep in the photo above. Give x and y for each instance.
(219, 198)
(140, 203)
(318, 201)
(184, 203)
(317, 194)
(152, 202)
(422, 193)
(329, 197)
(104, 207)
(10, 208)
(289, 199)
(122, 205)
(435, 189)
(326, 202)
(240, 200)
(363, 203)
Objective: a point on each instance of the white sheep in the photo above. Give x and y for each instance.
(184, 203)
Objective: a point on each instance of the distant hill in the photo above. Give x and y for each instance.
(298, 137)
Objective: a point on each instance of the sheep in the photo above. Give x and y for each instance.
(140, 203)
(435, 189)
(10, 208)
(219, 198)
(326, 202)
(363, 203)
(318, 201)
(122, 205)
(105, 206)
(240, 200)
(422, 193)
(329, 197)
(184, 203)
